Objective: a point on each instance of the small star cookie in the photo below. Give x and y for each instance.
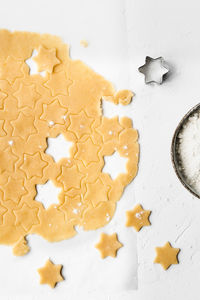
(166, 255)
(108, 245)
(138, 217)
(50, 274)
(46, 59)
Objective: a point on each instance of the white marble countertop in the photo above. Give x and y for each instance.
(120, 34)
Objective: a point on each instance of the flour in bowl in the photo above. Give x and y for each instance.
(189, 151)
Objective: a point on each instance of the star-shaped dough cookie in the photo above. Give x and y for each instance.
(11, 69)
(166, 255)
(26, 216)
(73, 208)
(46, 59)
(96, 192)
(87, 152)
(50, 274)
(70, 177)
(138, 217)
(110, 128)
(19, 129)
(108, 245)
(26, 95)
(54, 112)
(58, 83)
(80, 124)
(33, 165)
(14, 189)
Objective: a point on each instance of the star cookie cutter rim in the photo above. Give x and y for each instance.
(148, 60)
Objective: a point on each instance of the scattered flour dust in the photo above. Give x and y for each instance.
(189, 151)
(139, 215)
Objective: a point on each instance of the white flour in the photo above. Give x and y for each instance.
(189, 151)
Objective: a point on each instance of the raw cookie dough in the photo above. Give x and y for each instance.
(21, 247)
(166, 255)
(33, 108)
(50, 274)
(138, 217)
(84, 43)
(108, 245)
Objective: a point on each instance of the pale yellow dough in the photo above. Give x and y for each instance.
(50, 274)
(138, 217)
(108, 245)
(32, 108)
(166, 256)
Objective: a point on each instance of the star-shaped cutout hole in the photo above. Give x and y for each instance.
(154, 69)
(59, 147)
(32, 65)
(166, 255)
(108, 245)
(47, 194)
(138, 217)
(115, 165)
(50, 274)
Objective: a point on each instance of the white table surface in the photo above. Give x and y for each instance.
(120, 35)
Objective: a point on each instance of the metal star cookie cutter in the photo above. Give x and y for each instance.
(149, 70)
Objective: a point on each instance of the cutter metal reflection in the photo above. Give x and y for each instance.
(145, 69)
